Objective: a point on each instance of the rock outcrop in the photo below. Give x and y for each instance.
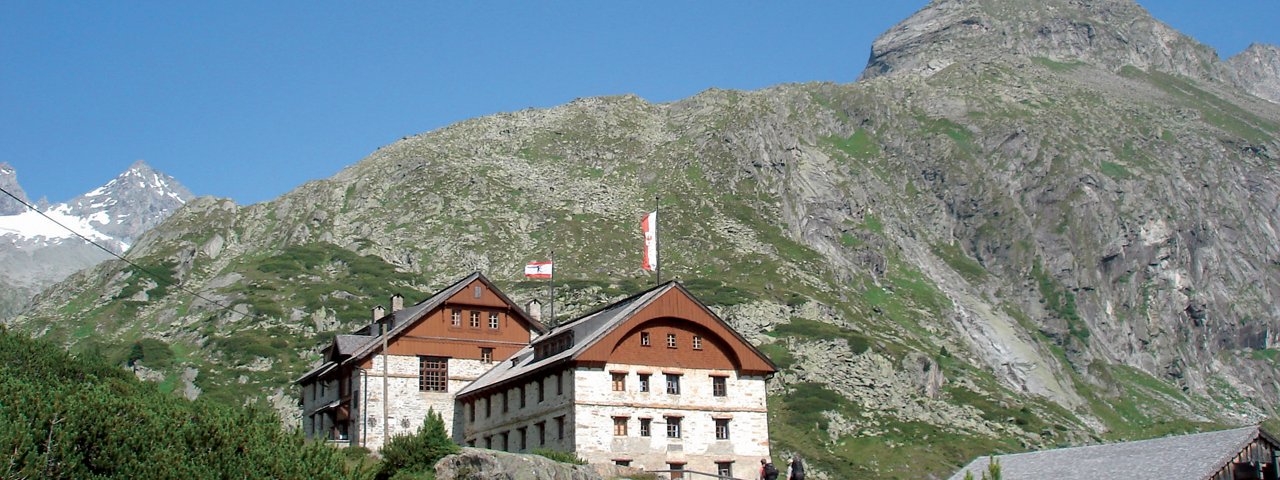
(1258, 70)
(477, 464)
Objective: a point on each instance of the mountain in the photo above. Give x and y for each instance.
(1258, 69)
(9, 182)
(1029, 224)
(35, 252)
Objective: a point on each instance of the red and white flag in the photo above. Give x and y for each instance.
(538, 270)
(649, 225)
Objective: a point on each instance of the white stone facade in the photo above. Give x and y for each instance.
(590, 407)
(408, 405)
(496, 420)
(741, 411)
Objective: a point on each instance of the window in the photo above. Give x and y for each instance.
(644, 426)
(677, 470)
(644, 339)
(719, 386)
(455, 317)
(486, 355)
(471, 411)
(671, 340)
(540, 391)
(523, 437)
(697, 342)
(471, 443)
(541, 428)
(620, 426)
(724, 469)
(506, 446)
(559, 384)
(493, 321)
(673, 427)
(622, 462)
(722, 429)
(673, 384)
(488, 443)
(475, 319)
(644, 382)
(487, 403)
(506, 401)
(521, 393)
(560, 427)
(433, 374)
(477, 291)
(619, 382)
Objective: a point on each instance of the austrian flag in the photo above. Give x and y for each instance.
(538, 270)
(649, 225)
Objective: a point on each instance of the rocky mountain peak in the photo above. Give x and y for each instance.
(131, 203)
(1258, 70)
(9, 182)
(1108, 33)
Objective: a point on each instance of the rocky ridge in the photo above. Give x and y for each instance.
(1039, 248)
(1258, 70)
(36, 253)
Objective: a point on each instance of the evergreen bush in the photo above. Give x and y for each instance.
(411, 456)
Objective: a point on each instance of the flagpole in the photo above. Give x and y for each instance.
(657, 241)
(552, 257)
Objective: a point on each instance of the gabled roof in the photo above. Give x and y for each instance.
(1197, 456)
(586, 330)
(405, 318)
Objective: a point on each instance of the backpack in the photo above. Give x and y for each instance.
(770, 471)
(797, 471)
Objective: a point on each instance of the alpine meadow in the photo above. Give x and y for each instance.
(1028, 224)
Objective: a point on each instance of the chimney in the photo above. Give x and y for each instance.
(534, 309)
(378, 312)
(397, 303)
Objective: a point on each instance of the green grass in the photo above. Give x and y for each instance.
(1213, 110)
(860, 145)
(1115, 171)
(810, 330)
(779, 353)
(1055, 65)
(967, 267)
(1060, 301)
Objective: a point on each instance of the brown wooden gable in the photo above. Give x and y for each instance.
(431, 332)
(677, 312)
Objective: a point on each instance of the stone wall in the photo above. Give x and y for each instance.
(506, 416)
(697, 448)
(408, 406)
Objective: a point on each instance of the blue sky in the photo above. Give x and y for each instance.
(250, 99)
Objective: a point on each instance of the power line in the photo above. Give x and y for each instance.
(131, 263)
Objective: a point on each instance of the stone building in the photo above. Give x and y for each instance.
(372, 386)
(655, 381)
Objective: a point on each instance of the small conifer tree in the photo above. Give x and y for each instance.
(418, 452)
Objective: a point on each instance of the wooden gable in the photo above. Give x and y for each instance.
(677, 313)
(432, 332)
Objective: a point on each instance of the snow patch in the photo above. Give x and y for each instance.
(32, 226)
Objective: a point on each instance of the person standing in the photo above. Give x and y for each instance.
(795, 469)
(767, 470)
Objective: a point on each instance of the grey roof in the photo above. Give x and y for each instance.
(350, 343)
(586, 329)
(322, 369)
(404, 318)
(1196, 456)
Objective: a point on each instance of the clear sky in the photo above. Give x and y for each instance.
(249, 99)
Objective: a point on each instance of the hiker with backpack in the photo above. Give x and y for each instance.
(795, 470)
(767, 470)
